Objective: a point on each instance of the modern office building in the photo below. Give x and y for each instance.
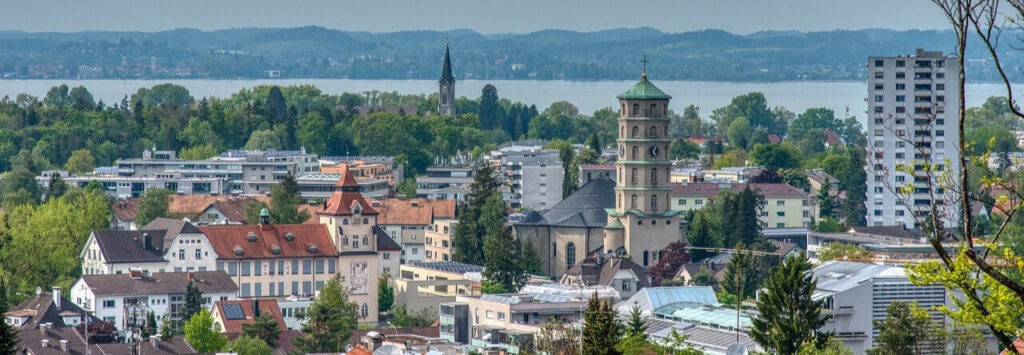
(243, 172)
(533, 177)
(909, 127)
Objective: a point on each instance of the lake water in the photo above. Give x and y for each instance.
(587, 95)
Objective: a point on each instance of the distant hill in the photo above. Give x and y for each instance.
(317, 52)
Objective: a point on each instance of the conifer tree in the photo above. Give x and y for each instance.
(468, 238)
(193, 302)
(636, 325)
(263, 327)
(502, 262)
(702, 235)
(284, 202)
(601, 329)
(530, 259)
(8, 335)
(56, 188)
(787, 316)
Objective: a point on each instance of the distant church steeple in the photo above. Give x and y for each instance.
(446, 87)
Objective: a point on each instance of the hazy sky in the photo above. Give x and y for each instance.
(486, 16)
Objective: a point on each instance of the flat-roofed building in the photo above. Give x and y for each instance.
(783, 206)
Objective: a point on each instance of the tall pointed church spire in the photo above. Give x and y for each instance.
(446, 86)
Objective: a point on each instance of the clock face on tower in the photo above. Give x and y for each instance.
(653, 151)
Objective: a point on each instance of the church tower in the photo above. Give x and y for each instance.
(642, 223)
(446, 87)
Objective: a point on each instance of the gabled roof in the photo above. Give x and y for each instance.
(227, 241)
(234, 207)
(40, 309)
(346, 197)
(125, 209)
(161, 283)
(644, 90)
(233, 327)
(189, 204)
(393, 211)
(584, 208)
(174, 228)
(384, 241)
(604, 273)
(120, 247)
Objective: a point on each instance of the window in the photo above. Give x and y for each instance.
(878, 98)
(698, 202)
(654, 131)
(633, 177)
(636, 110)
(682, 202)
(246, 268)
(879, 87)
(900, 98)
(878, 189)
(879, 63)
(654, 177)
(490, 314)
(632, 201)
(879, 75)
(901, 63)
(307, 267)
(570, 254)
(878, 109)
(901, 109)
(647, 257)
(901, 87)
(181, 254)
(109, 303)
(878, 212)
(257, 268)
(626, 286)
(365, 310)
(780, 213)
(199, 254)
(901, 75)
(654, 202)
(501, 315)
(940, 86)
(636, 151)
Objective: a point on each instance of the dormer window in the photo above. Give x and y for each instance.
(238, 250)
(289, 236)
(275, 249)
(357, 209)
(312, 248)
(251, 237)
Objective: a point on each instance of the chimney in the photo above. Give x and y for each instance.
(155, 340)
(42, 330)
(255, 308)
(45, 343)
(64, 345)
(147, 241)
(191, 276)
(56, 297)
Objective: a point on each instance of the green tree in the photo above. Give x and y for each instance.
(468, 238)
(490, 111)
(329, 321)
(738, 132)
(385, 293)
(732, 158)
(8, 335)
(702, 234)
(252, 211)
(56, 188)
(907, 329)
(683, 149)
(199, 152)
(150, 327)
(57, 96)
(674, 256)
(503, 264)
(19, 187)
(636, 324)
(832, 346)
(200, 334)
(152, 205)
(263, 140)
(166, 329)
(600, 330)
(636, 344)
(247, 345)
(776, 156)
(80, 162)
(558, 337)
(572, 172)
(407, 188)
(193, 302)
(285, 199)
(403, 318)
(264, 327)
(843, 251)
(704, 277)
(531, 260)
(787, 315)
(311, 128)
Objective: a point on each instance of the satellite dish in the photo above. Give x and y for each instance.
(736, 349)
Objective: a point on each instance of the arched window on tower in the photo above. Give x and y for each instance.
(654, 132)
(654, 177)
(636, 132)
(344, 222)
(632, 201)
(622, 129)
(654, 110)
(623, 109)
(365, 310)
(647, 256)
(654, 203)
(636, 151)
(633, 177)
(636, 109)
(570, 254)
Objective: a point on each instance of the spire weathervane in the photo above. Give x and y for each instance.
(644, 61)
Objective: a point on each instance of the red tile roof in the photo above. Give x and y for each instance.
(412, 212)
(709, 189)
(832, 140)
(346, 197)
(189, 204)
(233, 327)
(774, 139)
(126, 209)
(227, 239)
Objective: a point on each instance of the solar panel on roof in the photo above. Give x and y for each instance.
(233, 312)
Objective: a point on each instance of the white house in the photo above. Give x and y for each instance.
(118, 298)
(163, 245)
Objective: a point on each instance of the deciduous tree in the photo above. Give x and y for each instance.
(673, 257)
(249, 345)
(329, 321)
(200, 334)
(152, 205)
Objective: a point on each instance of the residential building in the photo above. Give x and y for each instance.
(47, 324)
(642, 222)
(213, 209)
(388, 252)
(438, 178)
(819, 180)
(243, 172)
(565, 233)
(366, 167)
(122, 187)
(407, 221)
(446, 87)
(230, 315)
(857, 294)
(422, 285)
(122, 214)
(783, 206)
(163, 245)
(740, 174)
(350, 221)
(274, 260)
(321, 185)
(596, 171)
(908, 124)
(621, 274)
(125, 299)
(533, 176)
(438, 240)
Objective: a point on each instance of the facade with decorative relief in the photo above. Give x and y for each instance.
(351, 222)
(643, 222)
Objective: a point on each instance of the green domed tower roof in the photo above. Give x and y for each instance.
(644, 90)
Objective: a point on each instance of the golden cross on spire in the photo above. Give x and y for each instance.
(645, 61)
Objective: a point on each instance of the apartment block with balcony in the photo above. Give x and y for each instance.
(533, 177)
(909, 127)
(444, 181)
(422, 285)
(438, 241)
(784, 206)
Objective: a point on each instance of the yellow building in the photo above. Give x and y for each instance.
(422, 285)
(438, 240)
(784, 206)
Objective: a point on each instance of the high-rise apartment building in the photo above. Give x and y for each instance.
(909, 128)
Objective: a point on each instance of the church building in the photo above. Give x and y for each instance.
(446, 87)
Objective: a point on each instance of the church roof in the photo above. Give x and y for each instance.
(585, 208)
(446, 71)
(346, 197)
(644, 90)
